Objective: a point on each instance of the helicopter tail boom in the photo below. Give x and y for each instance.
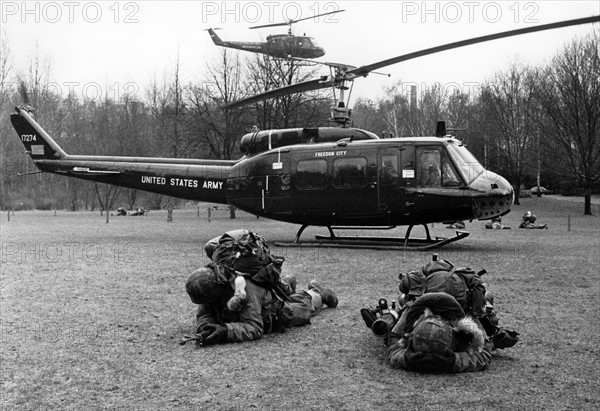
(193, 179)
(215, 37)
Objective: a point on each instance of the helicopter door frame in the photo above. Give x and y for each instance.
(276, 196)
(389, 188)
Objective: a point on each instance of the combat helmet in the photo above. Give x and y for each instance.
(203, 286)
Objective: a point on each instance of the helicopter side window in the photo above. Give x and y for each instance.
(349, 172)
(430, 160)
(389, 170)
(311, 174)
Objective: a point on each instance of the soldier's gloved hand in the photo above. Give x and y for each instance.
(213, 334)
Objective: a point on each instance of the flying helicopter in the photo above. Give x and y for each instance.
(279, 45)
(335, 177)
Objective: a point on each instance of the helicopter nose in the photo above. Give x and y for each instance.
(495, 196)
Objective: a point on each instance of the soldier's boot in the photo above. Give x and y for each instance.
(290, 281)
(328, 296)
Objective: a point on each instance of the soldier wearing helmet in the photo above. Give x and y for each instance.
(262, 311)
(438, 337)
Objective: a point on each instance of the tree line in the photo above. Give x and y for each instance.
(530, 124)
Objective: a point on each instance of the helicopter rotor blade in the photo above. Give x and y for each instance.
(270, 25)
(333, 64)
(316, 84)
(314, 17)
(290, 22)
(363, 71)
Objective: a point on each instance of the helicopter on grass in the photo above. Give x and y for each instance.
(335, 177)
(278, 45)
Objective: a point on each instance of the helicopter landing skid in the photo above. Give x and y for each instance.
(383, 243)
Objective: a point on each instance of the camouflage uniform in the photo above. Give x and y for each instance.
(263, 311)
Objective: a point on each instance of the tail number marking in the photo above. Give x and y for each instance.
(28, 137)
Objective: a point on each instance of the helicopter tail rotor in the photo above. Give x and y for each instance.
(23, 92)
(25, 100)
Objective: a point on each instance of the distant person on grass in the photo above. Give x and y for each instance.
(241, 295)
(496, 224)
(529, 221)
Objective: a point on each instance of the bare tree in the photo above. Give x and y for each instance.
(395, 111)
(37, 190)
(432, 108)
(215, 128)
(569, 94)
(366, 115)
(294, 110)
(104, 140)
(168, 113)
(132, 120)
(6, 146)
(509, 97)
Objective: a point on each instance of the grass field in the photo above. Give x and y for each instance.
(91, 313)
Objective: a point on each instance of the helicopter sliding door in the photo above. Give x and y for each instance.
(335, 187)
(354, 187)
(312, 197)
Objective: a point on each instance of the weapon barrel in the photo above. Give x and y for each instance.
(384, 324)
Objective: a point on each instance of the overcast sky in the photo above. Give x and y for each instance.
(108, 46)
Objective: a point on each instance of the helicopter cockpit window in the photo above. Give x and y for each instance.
(389, 170)
(349, 172)
(436, 168)
(449, 177)
(311, 174)
(304, 42)
(466, 163)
